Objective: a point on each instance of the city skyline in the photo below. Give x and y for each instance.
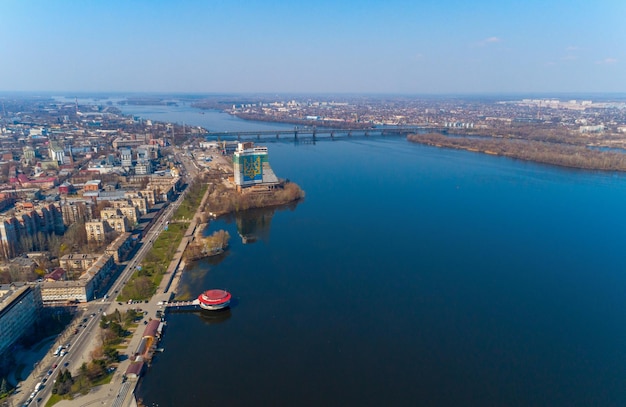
(321, 47)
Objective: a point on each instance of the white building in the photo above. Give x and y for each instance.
(56, 153)
(126, 157)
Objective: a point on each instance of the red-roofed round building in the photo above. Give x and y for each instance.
(214, 299)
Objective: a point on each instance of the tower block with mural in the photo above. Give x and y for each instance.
(252, 169)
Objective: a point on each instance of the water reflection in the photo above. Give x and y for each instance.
(214, 317)
(208, 317)
(194, 277)
(254, 224)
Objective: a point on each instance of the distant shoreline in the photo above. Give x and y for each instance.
(558, 154)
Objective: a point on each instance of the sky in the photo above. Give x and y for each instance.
(322, 46)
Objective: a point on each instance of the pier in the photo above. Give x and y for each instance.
(193, 305)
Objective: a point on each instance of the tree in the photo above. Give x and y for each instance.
(109, 337)
(3, 387)
(129, 317)
(40, 241)
(111, 354)
(117, 315)
(64, 382)
(100, 206)
(117, 329)
(104, 322)
(75, 237)
(95, 370)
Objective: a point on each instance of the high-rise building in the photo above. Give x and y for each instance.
(251, 166)
(27, 221)
(126, 157)
(19, 312)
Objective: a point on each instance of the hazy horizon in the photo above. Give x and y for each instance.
(181, 95)
(368, 47)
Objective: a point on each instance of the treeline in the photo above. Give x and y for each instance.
(224, 200)
(195, 192)
(145, 280)
(561, 154)
(207, 246)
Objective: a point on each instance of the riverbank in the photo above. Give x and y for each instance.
(559, 154)
(224, 198)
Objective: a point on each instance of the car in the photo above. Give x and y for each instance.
(54, 366)
(119, 303)
(49, 372)
(66, 364)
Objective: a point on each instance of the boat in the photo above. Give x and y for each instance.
(215, 299)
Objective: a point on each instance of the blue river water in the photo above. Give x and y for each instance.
(408, 276)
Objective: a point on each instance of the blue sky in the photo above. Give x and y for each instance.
(445, 46)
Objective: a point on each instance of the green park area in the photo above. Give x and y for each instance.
(143, 283)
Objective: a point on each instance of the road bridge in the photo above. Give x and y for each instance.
(317, 133)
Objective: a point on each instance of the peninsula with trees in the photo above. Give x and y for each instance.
(553, 152)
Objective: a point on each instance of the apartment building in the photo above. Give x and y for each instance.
(19, 312)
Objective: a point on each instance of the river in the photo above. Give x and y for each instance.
(409, 276)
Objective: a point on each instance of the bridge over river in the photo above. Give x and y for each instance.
(314, 133)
